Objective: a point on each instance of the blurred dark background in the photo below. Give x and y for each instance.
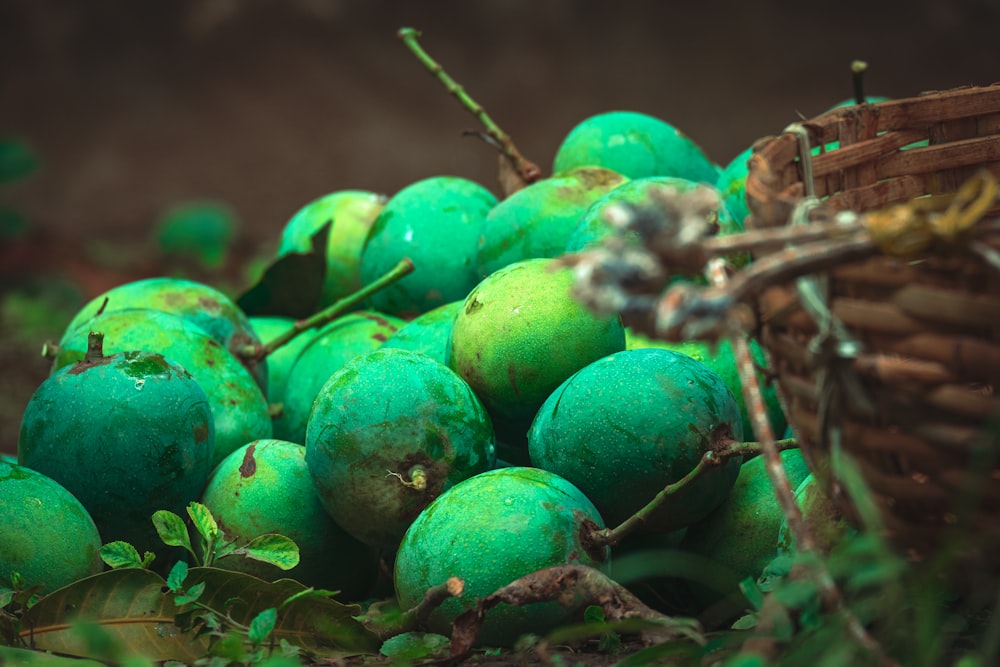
(260, 106)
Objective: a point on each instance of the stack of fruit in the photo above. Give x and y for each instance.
(469, 419)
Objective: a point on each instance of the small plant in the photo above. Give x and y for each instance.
(14, 601)
(230, 641)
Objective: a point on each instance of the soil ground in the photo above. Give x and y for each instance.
(263, 105)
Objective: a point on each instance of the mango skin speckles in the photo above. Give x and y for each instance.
(489, 530)
(629, 424)
(45, 533)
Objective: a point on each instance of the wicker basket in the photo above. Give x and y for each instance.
(911, 396)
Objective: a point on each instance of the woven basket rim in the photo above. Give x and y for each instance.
(877, 155)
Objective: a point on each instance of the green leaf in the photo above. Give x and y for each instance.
(230, 647)
(310, 593)
(411, 647)
(171, 529)
(292, 285)
(262, 625)
(190, 595)
(752, 592)
(280, 661)
(319, 625)
(272, 548)
(6, 596)
(204, 522)
(128, 604)
(664, 653)
(178, 573)
(593, 614)
(16, 160)
(746, 660)
(796, 594)
(227, 548)
(120, 554)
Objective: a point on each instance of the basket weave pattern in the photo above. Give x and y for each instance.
(914, 402)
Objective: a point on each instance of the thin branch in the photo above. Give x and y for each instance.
(527, 171)
(709, 460)
(259, 352)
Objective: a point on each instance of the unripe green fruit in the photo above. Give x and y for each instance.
(722, 360)
(387, 434)
(264, 487)
(629, 424)
(198, 303)
(436, 222)
(429, 333)
(351, 214)
(635, 145)
(521, 333)
(490, 530)
(239, 409)
(127, 434)
(334, 345)
(740, 534)
(280, 362)
(46, 535)
(821, 515)
(732, 185)
(592, 227)
(536, 221)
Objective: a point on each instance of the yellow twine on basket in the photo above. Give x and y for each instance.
(906, 229)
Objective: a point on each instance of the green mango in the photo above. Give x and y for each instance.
(592, 227)
(46, 534)
(490, 530)
(200, 304)
(630, 423)
(521, 333)
(633, 144)
(128, 434)
(429, 333)
(827, 523)
(436, 222)
(387, 434)
(740, 534)
(239, 409)
(536, 220)
(279, 363)
(331, 347)
(732, 185)
(351, 214)
(265, 487)
(722, 360)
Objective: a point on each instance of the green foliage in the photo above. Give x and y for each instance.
(909, 610)
(122, 554)
(198, 615)
(277, 550)
(15, 600)
(415, 647)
